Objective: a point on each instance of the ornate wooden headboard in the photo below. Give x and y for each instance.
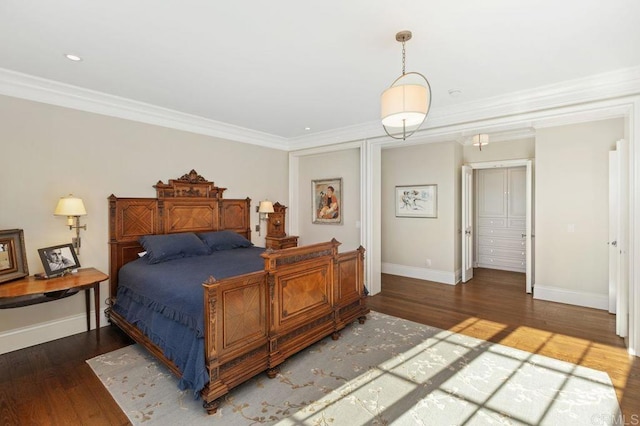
(187, 204)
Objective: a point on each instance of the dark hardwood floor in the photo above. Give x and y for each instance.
(51, 384)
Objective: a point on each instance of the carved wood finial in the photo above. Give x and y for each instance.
(210, 281)
(190, 185)
(192, 177)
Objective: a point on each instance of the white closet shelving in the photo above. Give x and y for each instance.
(501, 219)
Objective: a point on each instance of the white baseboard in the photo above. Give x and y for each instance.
(443, 277)
(571, 297)
(24, 337)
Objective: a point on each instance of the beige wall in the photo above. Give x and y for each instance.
(570, 199)
(407, 243)
(344, 164)
(49, 152)
(571, 209)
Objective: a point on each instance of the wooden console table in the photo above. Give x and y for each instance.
(29, 291)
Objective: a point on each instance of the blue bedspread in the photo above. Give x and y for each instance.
(165, 301)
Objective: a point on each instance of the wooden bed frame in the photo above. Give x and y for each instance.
(253, 322)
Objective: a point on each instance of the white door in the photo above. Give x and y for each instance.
(467, 223)
(618, 231)
(529, 230)
(614, 254)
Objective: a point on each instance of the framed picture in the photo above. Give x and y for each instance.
(13, 261)
(417, 201)
(326, 200)
(58, 260)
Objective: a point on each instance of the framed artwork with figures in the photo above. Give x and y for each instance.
(417, 201)
(326, 199)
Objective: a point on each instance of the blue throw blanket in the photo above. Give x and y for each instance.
(165, 301)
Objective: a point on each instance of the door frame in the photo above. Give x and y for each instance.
(530, 229)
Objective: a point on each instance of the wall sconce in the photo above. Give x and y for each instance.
(73, 208)
(480, 139)
(264, 209)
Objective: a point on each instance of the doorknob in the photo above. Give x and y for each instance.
(614, 243)
(467, 232)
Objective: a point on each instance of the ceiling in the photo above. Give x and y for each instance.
(287, 69)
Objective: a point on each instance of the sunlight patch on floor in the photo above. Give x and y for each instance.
(554, 345)
(479, 328)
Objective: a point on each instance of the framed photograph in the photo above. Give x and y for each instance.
(58, 260)
(326, 200)
(417, 201)
(13, 260)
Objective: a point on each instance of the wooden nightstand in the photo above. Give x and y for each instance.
(29, 291)
(278, 243)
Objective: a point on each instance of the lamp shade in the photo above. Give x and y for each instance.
(265, 207)
(70, 206)
(404, 105)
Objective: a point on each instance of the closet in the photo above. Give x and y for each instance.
(501, 218)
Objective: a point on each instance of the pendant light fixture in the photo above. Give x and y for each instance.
(405, 104)
(480, 139)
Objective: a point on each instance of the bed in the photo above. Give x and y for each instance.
(219, 312)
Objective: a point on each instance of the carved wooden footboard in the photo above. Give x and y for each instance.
(236, 333)
(258, 320)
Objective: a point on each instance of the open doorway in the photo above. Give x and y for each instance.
(498, 224)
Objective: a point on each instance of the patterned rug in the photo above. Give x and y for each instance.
(387, 371)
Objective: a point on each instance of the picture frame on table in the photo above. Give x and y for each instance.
(417, 201)
(58, 260)
(326, 200)
(13, 259)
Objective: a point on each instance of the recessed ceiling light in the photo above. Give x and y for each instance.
(455, 92)
(72, 57)
(307, 128)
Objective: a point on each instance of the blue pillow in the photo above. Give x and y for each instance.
(161, 248)
(224, 240)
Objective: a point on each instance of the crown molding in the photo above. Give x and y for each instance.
(462, 118)
(38, 89)
(610, 85)
(475, 115)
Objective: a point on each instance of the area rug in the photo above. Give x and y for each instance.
(386, 371)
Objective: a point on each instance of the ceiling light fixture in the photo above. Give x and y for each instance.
(405, 104)
(71, 57)
(480, 139)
